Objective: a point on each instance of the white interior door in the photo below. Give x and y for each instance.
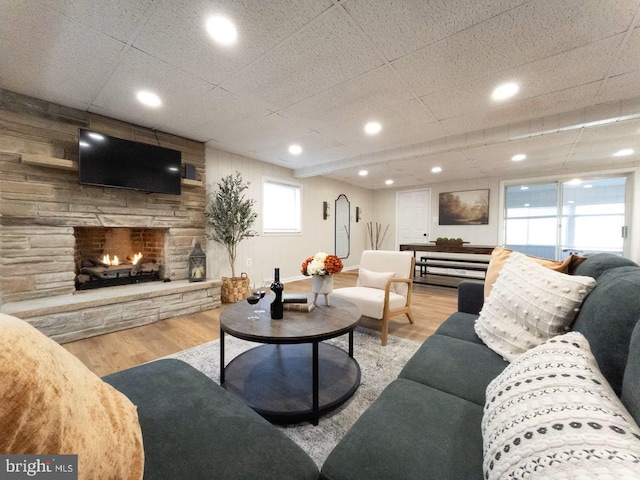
(412, 213)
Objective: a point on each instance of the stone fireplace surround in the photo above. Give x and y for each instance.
(41, 205)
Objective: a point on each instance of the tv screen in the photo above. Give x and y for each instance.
(113, 162)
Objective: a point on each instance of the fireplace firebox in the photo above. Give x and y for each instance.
(109, 256)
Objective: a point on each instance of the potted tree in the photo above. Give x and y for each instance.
(230, 217)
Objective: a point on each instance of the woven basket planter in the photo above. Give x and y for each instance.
(234, 289)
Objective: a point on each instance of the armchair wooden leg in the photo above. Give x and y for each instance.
(410, 316)
(385, 329)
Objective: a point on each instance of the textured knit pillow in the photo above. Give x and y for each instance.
(499, 257)
(50, 403)
(528, 305)
(551, 414)
(369, 278)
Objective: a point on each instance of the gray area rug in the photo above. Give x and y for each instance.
(379, 366)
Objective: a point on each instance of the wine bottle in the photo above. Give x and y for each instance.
(277, 288)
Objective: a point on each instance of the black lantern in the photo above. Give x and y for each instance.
(197, 264)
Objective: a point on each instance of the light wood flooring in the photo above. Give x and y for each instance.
(116, 351)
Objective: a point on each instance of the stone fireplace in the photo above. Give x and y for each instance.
(50, 224)
(107, 257)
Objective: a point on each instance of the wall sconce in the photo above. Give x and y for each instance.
(358, 214)
(325, 210)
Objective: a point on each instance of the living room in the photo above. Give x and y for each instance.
(311, 75)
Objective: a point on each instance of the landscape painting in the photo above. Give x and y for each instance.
(470, 207)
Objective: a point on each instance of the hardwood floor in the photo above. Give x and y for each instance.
(116, 351)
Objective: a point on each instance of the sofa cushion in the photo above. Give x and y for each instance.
(500, 255)
(193, 428)
(411, 431)
(631, 385)
(370, 300)
(460, 325)
(455, 366)
(551, 414)
(596, 265)
(369, 278)
(50, 403)
(528, 305)
(608, 317)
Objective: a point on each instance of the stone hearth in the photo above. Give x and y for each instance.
(43, 206)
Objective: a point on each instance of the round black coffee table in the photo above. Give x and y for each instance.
(294, 376)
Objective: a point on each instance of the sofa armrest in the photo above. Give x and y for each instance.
(470, 297)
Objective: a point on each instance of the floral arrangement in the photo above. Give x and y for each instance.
(321, 264)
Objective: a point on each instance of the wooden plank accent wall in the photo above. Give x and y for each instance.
(39, 206)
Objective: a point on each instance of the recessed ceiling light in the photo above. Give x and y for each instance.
(588, 185)
(372, 128)
(519, 157)
(524, 187)
(174, 169)
(148, 98)
(436, 169)
(625, 152)
(295, 149)
(222, 30)
(388, 182)
(363, 173)
(575, 181)
(504, 91)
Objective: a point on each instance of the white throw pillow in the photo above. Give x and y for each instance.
(529, 304)
(551, 414)
(369, 278)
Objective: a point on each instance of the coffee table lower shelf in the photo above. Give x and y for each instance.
(276, 380)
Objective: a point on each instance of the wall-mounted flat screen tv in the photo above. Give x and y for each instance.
(113, 162)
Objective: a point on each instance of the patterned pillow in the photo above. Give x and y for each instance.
(551, 414)
(528, 305)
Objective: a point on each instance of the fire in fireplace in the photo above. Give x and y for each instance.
(105, 256)
(106, 272)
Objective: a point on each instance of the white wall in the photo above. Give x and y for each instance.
(284, 251)
(384, 205)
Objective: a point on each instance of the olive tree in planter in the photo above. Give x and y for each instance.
(230, 217)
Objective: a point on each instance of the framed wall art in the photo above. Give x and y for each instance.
(468, 207)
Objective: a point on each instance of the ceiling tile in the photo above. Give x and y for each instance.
(138, 71)
(625, 86)
(524, 110)
(60, 60)
(355, 101)
(326, 53)
(257, 133)
(176, 33)
(202, 117)
(400, 27)
(630, 57)
(118, 19)
(533, 31)
(559, 72)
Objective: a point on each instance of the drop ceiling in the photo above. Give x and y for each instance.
(313, 72)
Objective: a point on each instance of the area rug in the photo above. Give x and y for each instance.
(379, 366)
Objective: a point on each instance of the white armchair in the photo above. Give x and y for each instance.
(383, 288)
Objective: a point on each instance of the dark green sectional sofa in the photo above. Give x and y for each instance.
(193, 429)
(427, 423)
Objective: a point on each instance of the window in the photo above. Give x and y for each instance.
(281, 207)
(554, 219)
